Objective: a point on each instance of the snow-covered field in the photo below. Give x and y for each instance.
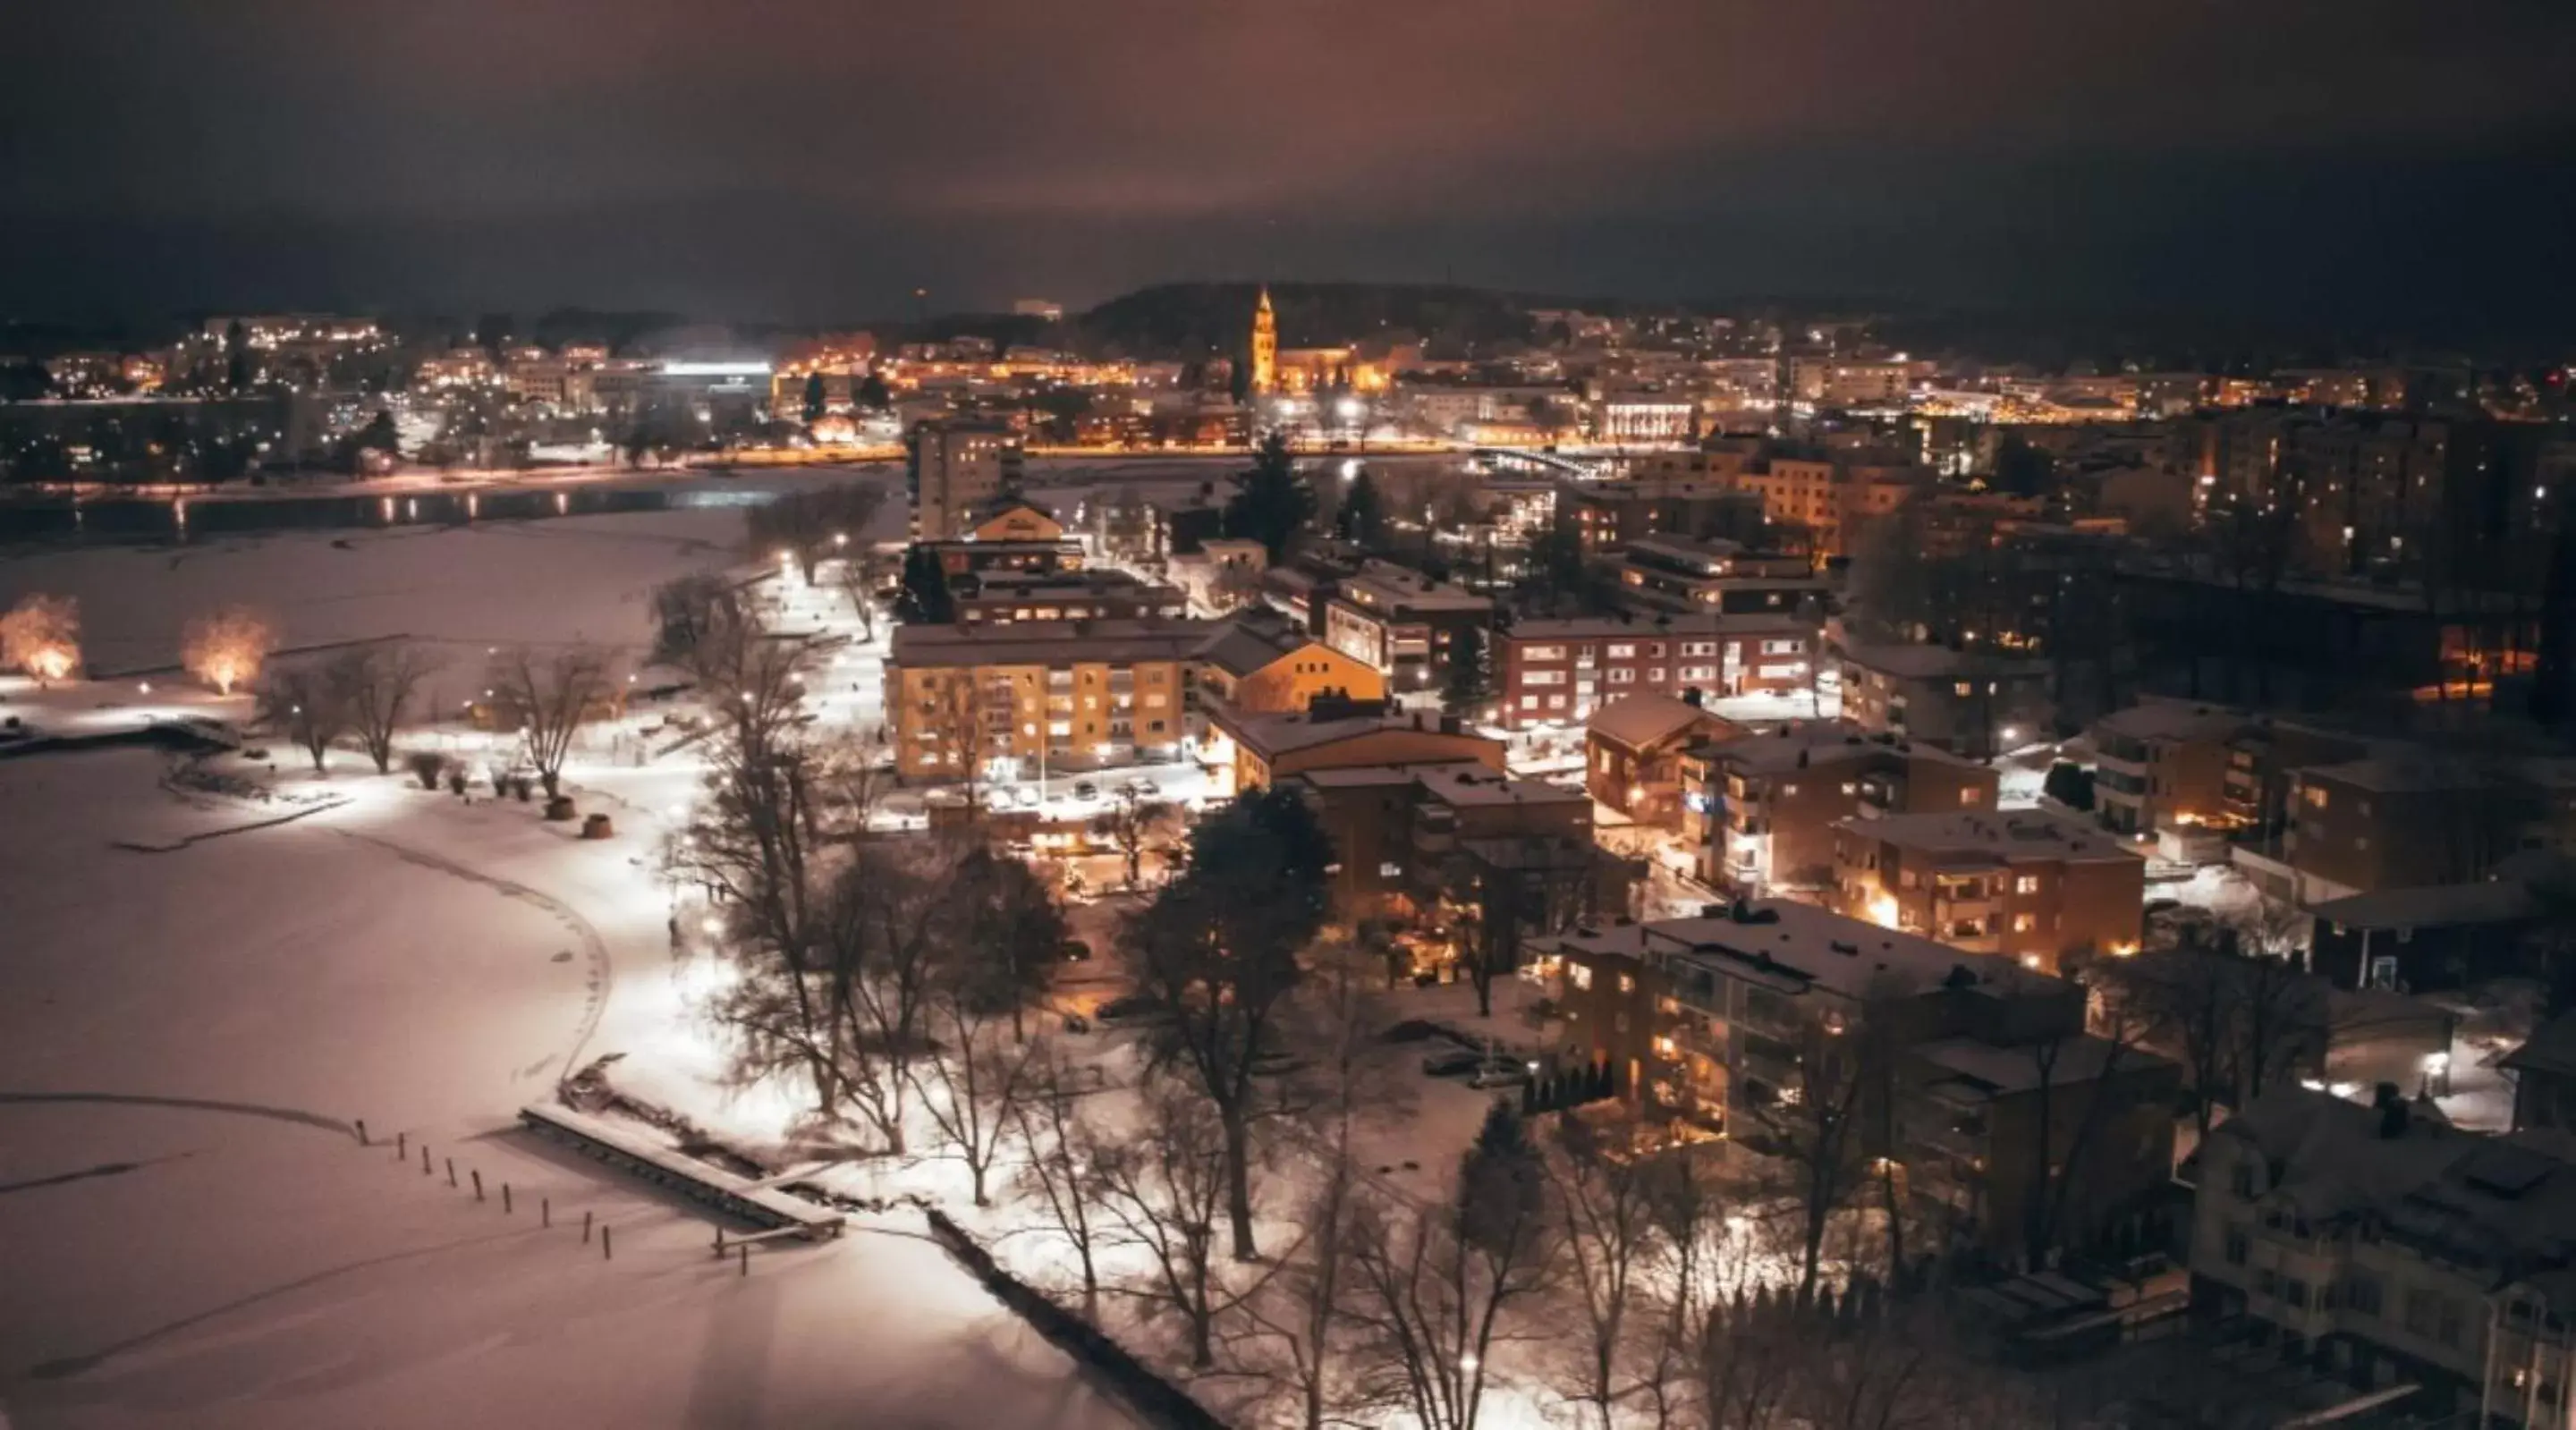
(188, 1235)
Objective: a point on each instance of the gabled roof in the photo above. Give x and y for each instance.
(1637, 721)
(2551, 1048)
(1253, 642)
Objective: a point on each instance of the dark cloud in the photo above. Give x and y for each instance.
(824, 157)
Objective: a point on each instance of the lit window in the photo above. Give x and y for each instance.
(2026, 884)
(1580, 975)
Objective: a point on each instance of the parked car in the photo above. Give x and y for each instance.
(1500, 1072)
(1085, 789)
(1076, 951)
(1143, 789)
(1457, 1062)
(1134, 1008)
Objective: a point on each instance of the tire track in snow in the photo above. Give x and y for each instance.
(188, 1104)
(595, 948)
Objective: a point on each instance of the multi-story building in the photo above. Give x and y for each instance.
(1970, 1071)
(2400, 818)
(1633, 753)
(1100, 593)
(1833, 382)
(1405, 836)
(2029, 885)
(1262, 663)
(2263, 758)
(1972, 703)
(2162, 763)
(1606, 516)
(1759, 814)
(1029, 697)
(1829, 496)
(2380, 1244)
(1255, 751)
(1401, 623)
(2544, 1077)
(1557, 672)
(958, 466)
(1682, 574)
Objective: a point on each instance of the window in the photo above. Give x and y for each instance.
(1542, 677)
(1580, 975)
(1961, 688)
(1780, 647)
(1627, 983)
(1623, 650)
(2361, 1293)
(2295, 1292)
(2022, 923)
(1529, 702)
(2238, 1246)
(2240, 1179)
(1968, 795)
(2026, 884)
(2315, 795)
(1623, 676)
(1699, 647)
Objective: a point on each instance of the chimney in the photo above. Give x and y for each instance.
(2392, 1110)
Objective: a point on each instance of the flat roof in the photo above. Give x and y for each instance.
(1111, 641)
(2009, 835)
(2173, 720)
(1796, 945)
(1824, 743)
(1272, 735)
(1680, 626)
(1932, 662)
(1992, 1070)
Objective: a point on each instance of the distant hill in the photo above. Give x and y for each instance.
(1200, 319)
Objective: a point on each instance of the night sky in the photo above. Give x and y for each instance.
(819, 159)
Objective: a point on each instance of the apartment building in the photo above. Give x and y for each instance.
(2263, 758)
(1633, 753)
(1759, 814)
(2039, 888)
(1402, 624)
(1969, 1071)
(1830, 496)
(1557, 672)
(1606, 516)
(2163, 763)
(1255, 751)
(1262, 663)
(958, 466)
(1030, 697)
(1404, 834)
(1686, 575)
(1100, 593)
(2400, 818)
(1972, 703)
(2380, 1244)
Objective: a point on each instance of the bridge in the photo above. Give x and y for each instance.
(1546, 464)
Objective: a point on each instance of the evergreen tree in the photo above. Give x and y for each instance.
(1501, 1184)
(1239, 382)
(813, 398)
(924, 598)
(1273, 501)
(1467, 685)
(873, 394)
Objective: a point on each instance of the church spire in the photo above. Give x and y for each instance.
(1265, 344)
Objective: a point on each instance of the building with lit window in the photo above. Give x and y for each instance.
(1970, 1072)
(2430, 1268)
(958, 467)
(1759, 814)
(1557, 672)
(1025, 698)
(1402, 624)
(2038, 887)
(1970, 702)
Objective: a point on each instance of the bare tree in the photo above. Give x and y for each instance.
(1819, 1126)
(2069, 1138)
(2231, 1016)
(377, 683)
(548, 698)
(1060, 1170)
(861, 574)
(41, 636)
(809, 526)
(1436, 1284)
(1605, 1202)
(1163, 1193)
(304, 704)
(973, 1085)
(1133, 822)
(883, 930)
(226, 648)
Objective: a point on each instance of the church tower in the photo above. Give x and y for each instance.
(1265, 345)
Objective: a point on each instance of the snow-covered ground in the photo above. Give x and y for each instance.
(188, 1235)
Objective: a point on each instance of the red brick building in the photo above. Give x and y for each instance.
(1557, 672)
